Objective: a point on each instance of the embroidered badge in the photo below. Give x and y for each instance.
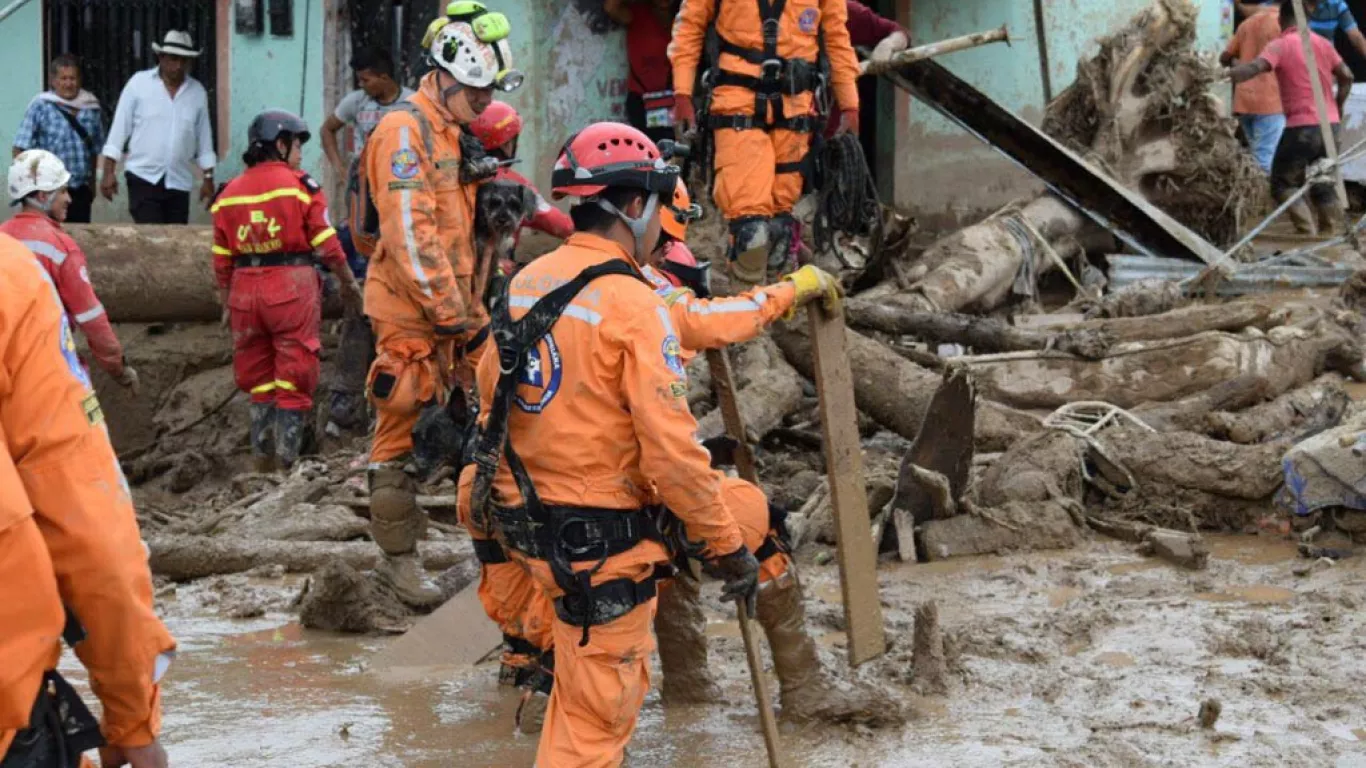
(807, 21)
(403, 164)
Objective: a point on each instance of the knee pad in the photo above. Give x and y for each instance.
(749, 248)
(782, 230)
(396, 522)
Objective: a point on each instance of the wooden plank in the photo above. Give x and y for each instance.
(724, 383)
(1320, 102)
(456, 634)
(844, 469)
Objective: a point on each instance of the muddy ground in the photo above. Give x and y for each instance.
(1089, 657)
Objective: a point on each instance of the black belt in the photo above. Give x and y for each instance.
(778, 78)
(582, 534)
(273, 260)
(605, 602)
(799, 124)
(489, 551)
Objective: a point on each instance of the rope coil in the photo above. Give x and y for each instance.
(846, 199)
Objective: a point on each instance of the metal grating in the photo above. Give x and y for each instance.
(113, 39)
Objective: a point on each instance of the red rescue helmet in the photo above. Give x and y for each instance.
(610, 155)
(498, 124)
(675, 217)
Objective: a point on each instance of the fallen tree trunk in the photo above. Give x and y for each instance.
(896, 392)
(1318, 406)
(147, 273)
(983, 334)
(1189, 413)
(1192, 461)
(1143, 372)
(1185, 321)
(192, 557)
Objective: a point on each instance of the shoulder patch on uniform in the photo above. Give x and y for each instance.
(68, 350)
(93, 413)
(673, 355)
(308, 182)
(539, 380)
(807, 21)
(397, 185)
(403, 163)
(678, 389)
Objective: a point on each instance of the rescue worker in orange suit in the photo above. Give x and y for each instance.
(68, 537)
(38, 183)
(497, 129)
(760, 115)
(267, 224)
(807, 689)
(585, 397)
(428, 322)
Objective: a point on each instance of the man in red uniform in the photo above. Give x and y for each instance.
(649, 88)
(266, 225)
(38, 182)
(68, 537)
(497, 128)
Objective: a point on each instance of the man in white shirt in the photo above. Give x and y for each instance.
(163, 119)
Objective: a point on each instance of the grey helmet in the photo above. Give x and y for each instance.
(271, 124)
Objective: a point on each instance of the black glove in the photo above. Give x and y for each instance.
(740, 572)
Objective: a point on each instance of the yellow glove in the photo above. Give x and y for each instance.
(815, 283)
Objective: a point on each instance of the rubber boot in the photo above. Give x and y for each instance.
(749, 251)
(262, 448)
(1330, 217)
(355, 350)
(781, 231)
(290, 427)
(680, 627)
(1302, 218)
(396, 524)
(808, 692)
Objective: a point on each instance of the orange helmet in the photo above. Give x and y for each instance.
(676, 216)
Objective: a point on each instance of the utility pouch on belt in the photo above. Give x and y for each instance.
(60, 728)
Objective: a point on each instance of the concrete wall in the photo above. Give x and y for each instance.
(945, 175)
(21, 59)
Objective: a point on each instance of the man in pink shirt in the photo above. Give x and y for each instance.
(1302, 142)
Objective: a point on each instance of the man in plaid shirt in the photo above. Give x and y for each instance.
(66, 122)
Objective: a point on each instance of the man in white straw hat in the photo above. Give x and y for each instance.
(163, 120)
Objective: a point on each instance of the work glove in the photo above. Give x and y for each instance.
(685, 117)
(848, 122)
(740, 572)
(814, 283)
(129, 379)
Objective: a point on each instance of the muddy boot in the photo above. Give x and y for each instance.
(749, 252)
(782, 229)
(355, 350)
(262, 446)
(680, 627)
(1330, 217)
(1302, 218)
(808, 692)
(396, 524)
(290, 427)
(536, 697)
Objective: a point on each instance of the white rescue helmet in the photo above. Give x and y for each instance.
(475, 52)
(35, 170)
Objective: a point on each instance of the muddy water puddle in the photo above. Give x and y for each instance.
(1097, 654)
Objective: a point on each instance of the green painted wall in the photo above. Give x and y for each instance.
(21, 58)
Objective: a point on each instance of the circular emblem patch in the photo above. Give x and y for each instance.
(539, 379)
(403, 164)
(808, 20)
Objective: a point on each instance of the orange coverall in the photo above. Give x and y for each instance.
(747, 183)
(602, 421)
(418, 288)
(68, 534)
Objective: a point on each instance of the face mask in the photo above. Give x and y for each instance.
(638, 226)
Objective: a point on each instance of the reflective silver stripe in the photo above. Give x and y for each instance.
(665, 321)
(409, 239)
(573, 310)
(46, 249)
(726, 306)
(90, 314)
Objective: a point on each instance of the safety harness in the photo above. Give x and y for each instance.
(560, 535)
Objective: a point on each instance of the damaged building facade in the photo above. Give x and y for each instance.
(296, 56)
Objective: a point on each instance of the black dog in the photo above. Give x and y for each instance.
(500, 208)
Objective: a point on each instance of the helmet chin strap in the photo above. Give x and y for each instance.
(44, 206)
(637, 225)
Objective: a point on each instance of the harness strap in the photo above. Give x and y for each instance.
(798, 124)
(607, 602)
(489, 551)
(585, 533)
